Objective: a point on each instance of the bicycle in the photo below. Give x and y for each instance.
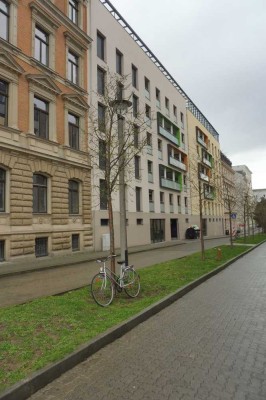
(105, 283)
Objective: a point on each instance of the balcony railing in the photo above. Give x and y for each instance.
(184, 146)
(186, 210)
(162, 208)
(149, 149)
(209, 195)
(173, 161)
(179, 209)
(166, 183)
(147, 94)
(207, 162)
(204, 177)
(151, 206)
(150, 177)
(168, 135)
(171, 208)
(201, 141)
(148, 120)
(160, 154)
(158, 104)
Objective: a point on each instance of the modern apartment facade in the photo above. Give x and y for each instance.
(45, 173)
(205, 173)
(158, 200)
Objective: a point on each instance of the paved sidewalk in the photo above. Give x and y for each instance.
(209, 345)
(32, 281)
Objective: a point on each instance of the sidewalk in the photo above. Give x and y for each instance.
(9, 268)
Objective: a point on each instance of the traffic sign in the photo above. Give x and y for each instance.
(233, 215)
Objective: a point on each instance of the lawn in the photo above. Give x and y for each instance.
(45, 330)
(252, 239)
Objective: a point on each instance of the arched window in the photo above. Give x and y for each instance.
(73, 196)
(2, 190)
(39, 193)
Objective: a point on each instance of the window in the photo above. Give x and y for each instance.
(171, 199)
(147, 87)
(136, 136)
(41, 46)
(75, 242)
(179, 200)
(175, 112)
(3, 102)
(73, 197)
(149, 139)
(4, 19)
(100, 81)
(41, 118)
(119, 62)
(100, 46)
(73, 68)
(167, 105)
(2, 190)
(2, 250)
(182, 119)
(41, 247)
(137, 167)
(73, 129)
(138, 198)
(158, 98)
(103, 195)
(102, 154)
(104, 221)
(39, 193)
(185, 201)
(139, 221)
(135, 105)
(73, 11)
(134, 71)
(148, 114)
(119, 91)
(150, 171)
(101, 117)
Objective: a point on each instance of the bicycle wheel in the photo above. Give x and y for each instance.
(131, 282)
(102, 290)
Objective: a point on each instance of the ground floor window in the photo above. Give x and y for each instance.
(157, 229)
(2, 250)
(75, 242)
(41, 247)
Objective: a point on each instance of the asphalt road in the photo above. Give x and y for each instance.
(208, 345)
(21, 288)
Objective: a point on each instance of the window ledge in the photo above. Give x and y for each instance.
(76, 87)
(43, 67)
(9, 46)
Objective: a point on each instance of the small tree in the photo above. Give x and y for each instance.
(110, 154)
(260, 214)
(203, 184)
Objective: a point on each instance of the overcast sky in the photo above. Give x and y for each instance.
(216, 51)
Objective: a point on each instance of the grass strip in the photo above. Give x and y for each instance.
(256, 239)
(45, 330)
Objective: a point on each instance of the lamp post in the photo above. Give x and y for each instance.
(121, 107)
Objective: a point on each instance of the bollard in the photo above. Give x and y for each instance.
(219, 254)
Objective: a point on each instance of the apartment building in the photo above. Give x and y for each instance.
(158, 199)
(45, 173)
(229, 193)
(205, 173)
(243, 184)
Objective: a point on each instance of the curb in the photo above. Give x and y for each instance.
(27, 387)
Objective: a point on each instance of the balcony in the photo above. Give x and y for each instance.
(168, 135)
(201, 141)
(209, 195)
(150, 177)
(147, 94)
(151, 206)
(204, 177)
(149, 149)
(184, 147)
(148, 121)
(176, 163)
(207, 162)
(166, 183)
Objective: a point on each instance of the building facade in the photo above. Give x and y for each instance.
(45, 188)
(205, 173)
(243, 185)
(228, 194)
(158, 199)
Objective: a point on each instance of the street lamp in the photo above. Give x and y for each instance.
(121, 108)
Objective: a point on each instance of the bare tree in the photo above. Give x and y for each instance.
(110, 154)
(204, 186)
(229, 198)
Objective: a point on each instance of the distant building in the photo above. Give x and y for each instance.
(243, 183)
(228, 193)
(259, 193)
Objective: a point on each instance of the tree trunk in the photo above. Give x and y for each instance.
(231, 232)
(111, 230)
(201, 224)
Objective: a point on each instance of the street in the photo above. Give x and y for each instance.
(209, 345)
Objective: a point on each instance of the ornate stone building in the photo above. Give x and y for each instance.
(45, 173)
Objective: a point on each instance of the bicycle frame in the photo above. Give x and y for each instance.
(116, 279)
